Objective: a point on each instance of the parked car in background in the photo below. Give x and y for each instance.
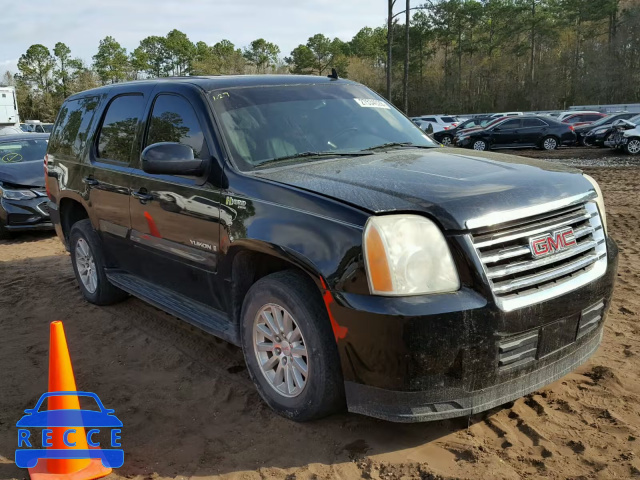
(484, 124)
(23, 200)
(598, 132)
(582, 118)
(446, 137)
(523, 132)
(507, 114)
(437, 122)
(562, 115)
(36, 126)
(627, 135)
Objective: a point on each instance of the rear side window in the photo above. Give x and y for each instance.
(510, 124)
(448, 119)
(428, 119)
(72, 127)
(591, 117)
(119, 127)
(533, 122)
(174, 120)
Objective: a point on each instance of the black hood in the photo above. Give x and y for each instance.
(449, 186)
(28, 174)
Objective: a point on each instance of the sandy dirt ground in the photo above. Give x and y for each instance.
(190, 410)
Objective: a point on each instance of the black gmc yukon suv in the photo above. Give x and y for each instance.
(353, 260)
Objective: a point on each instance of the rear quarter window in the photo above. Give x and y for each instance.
(72, 126)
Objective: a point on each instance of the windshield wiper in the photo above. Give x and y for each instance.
(311, 154)
(396, 144)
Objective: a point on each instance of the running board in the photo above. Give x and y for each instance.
(202, 316)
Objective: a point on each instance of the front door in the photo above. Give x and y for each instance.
(175, 219)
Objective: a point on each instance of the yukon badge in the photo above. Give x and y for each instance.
(550, 243)
(203, 245)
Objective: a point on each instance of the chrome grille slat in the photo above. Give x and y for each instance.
(531, 280)
(511, 235)
(531, 264)
(518, 279)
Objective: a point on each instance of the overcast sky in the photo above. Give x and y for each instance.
(82, 24)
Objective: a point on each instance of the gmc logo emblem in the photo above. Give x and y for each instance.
(550, 243)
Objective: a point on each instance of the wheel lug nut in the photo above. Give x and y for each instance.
(284, 361)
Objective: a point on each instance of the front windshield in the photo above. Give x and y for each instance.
(296, 122)
(635, 120)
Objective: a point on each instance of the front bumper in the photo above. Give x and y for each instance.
(24, 215)
(433, 357)
(595, 140)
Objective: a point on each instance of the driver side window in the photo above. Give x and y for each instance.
(174, 120)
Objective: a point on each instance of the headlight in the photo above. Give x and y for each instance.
(407, 255)
(599, 201)
(16, 194)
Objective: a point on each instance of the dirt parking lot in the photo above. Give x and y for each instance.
(190, 410)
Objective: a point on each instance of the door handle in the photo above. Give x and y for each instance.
(141, 195)
(92, 182)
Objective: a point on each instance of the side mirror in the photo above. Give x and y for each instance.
(171, 158)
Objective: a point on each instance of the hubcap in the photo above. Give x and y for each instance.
(550, 144)
(634, 146)
(479, 145)
(280, 350)
(446, 140)
(86, 266)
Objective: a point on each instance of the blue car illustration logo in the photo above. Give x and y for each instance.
(91, 420)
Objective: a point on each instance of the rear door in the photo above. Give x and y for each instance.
(175, 219)
(107, 177)
(532, 131)
(507, 134)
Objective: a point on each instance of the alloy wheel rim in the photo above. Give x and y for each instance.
(550, 144)
(446, 140)
(280, 350)
(634, 146)
(479, 145)
(86, 266)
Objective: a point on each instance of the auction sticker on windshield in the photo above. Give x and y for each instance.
(371, 103)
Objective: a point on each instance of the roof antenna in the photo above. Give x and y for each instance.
(334, 74)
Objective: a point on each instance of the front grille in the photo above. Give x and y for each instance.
(518, 279)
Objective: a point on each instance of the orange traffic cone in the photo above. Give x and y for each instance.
(61, 379)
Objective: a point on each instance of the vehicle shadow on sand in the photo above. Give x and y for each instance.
(184, 397)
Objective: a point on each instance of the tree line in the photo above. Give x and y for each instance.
(453, 56)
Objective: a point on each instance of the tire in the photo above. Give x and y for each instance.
(633, 146)
(480, 145)
(447, 140)
(4, 233)
(549, 143)
(86, 255)
(321, 391)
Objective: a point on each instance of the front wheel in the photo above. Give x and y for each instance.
(549, 143)
(633, 146)
(480, 145)
(289, 348)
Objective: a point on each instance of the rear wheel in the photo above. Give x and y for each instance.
(447, 140)
(633, 146)
(289, 348)
(88, 264)
(549, 143)
(480, 145)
